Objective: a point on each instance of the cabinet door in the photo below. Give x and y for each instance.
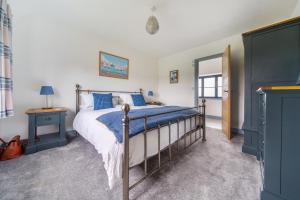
(275, 61)
(275, 55)
(290, 161)
(272, 156)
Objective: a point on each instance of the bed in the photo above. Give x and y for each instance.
(119, 156)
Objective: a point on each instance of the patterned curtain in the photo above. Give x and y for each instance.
(6, 104)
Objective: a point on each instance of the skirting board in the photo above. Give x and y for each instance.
(213, 117)
(237, 131)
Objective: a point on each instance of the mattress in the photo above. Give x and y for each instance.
(106, 144)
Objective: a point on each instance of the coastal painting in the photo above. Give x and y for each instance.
(113, 66)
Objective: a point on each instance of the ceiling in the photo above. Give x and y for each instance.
(183, 23)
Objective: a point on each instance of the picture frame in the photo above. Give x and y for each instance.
(113, 66)
(174, 76)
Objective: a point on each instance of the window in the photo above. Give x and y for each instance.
(220, 84)
(210, 86)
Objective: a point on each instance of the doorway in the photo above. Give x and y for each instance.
(213, 83)
(210, 88)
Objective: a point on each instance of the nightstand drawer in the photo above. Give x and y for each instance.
(47, 119)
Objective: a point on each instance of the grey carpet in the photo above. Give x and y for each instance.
(215, 170)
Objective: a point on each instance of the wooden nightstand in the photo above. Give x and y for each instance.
(43, 117)
(155, 103)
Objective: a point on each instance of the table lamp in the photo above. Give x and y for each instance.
(46, 90)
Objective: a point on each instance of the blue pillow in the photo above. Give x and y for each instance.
(138, 100)
(102, 101)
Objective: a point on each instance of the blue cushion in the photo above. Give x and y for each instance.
(138, 100)
(102, 101)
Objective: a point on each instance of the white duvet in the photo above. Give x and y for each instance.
(106, 144)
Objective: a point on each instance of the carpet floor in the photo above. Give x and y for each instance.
(215, 170)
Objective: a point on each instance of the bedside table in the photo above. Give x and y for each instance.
(44, 117)
(155, 103)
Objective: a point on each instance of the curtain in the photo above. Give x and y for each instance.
(6, 85)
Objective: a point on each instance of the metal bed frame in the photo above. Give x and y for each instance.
(125, 123)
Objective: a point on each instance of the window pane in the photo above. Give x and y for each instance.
(219, 91)
(209, 92)
(220, 79)
(200, 92)
(200, 82)
(209, 82)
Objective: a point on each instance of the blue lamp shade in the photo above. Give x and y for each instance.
(150, 93)
(46, 90)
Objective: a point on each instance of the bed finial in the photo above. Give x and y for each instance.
(77, 86)
(125, 123)
(141, 90)
(77, 97)
(126, 108)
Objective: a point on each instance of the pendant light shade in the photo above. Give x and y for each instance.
(152, 25)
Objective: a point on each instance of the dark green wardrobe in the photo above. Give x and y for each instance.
(272, 57)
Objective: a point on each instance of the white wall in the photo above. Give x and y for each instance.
(207, 67)
(183, 92)
(296, 11)
(50, 52)
(211, 66)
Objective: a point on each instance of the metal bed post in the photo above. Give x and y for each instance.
(184, 133)
(77, 97)
(125, 123)
(158, 146)
(145, 145)
(170, 146)
(191, 130)
(177, 136)
(196, 127)
(203, 121)
(77, 102)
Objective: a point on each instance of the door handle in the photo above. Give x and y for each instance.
(226, 91)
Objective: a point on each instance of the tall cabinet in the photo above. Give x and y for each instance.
(272, 57)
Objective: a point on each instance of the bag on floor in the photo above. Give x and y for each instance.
(12, 149)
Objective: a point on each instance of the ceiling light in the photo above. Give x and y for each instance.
(152, 25)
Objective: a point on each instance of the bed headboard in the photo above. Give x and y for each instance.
(79, 90)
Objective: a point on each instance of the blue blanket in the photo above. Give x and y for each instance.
(113, 120)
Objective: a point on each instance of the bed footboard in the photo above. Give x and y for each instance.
(125, 122)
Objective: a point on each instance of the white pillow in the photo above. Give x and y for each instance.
(115, 101)
(86, 101)
(119, 107)
(126, 98)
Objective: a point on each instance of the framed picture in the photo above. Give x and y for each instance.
(113, 66)
(174, 76)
